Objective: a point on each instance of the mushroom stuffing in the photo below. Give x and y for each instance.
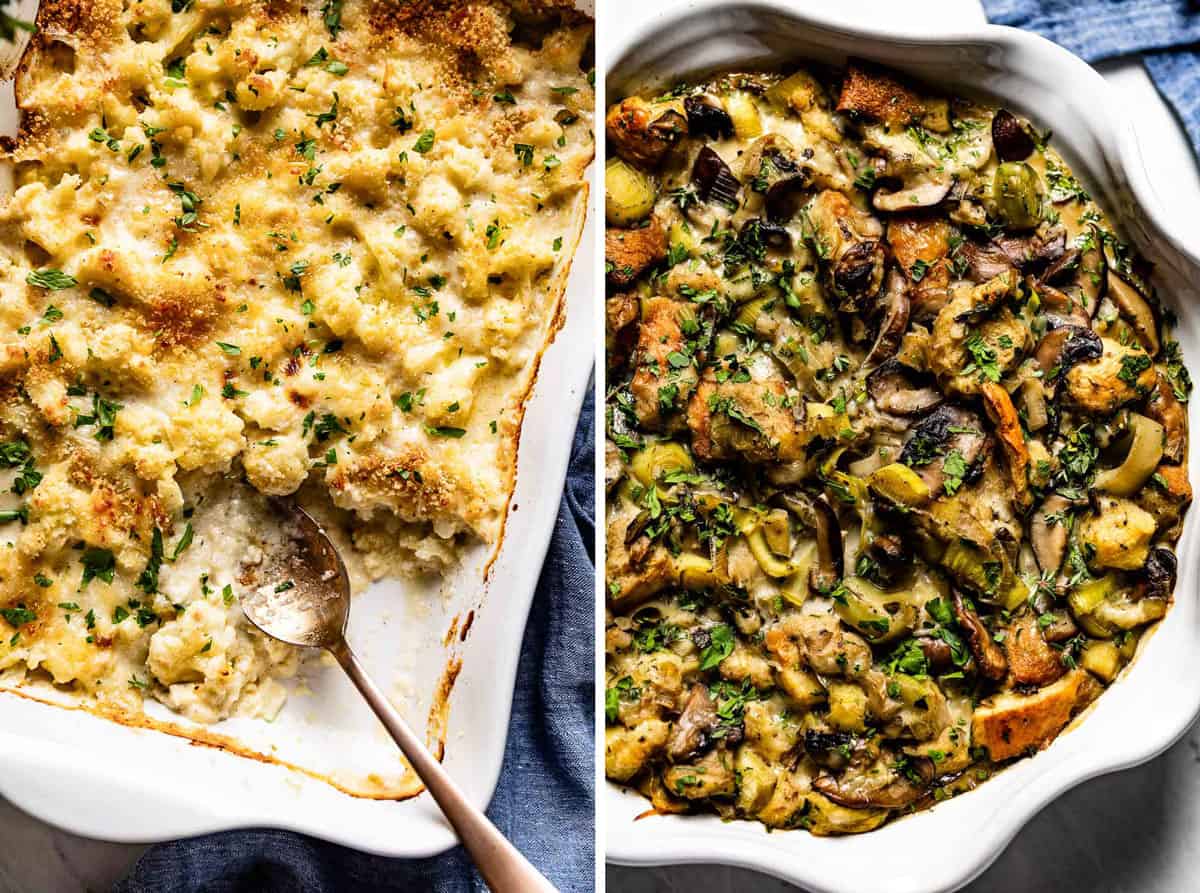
(896, 450)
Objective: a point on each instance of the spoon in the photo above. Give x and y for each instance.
(310, 606)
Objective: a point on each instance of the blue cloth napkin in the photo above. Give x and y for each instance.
(1163, 31)
(544, 803)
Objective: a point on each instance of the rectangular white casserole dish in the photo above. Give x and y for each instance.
(99, 779)
(1159, 696)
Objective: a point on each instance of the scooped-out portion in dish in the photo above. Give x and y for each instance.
(897, 447)
(262, 249)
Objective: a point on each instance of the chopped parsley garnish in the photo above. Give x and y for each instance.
(55, 280)
(98, 564)
(445, 431)
(424, 142)
(721, 644)
(1132, 365)
(983, 359)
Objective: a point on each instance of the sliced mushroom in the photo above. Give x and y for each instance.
(1062, 269)
(714, 181)
(1165, 409)
(895, 321)
(948, 429)
(882, 787)
(989, 658)
(817, 514)
(899, 390)
(1061, 307)
(1042, 247)
(1137, 310)
(924, 191)
(828, 749)
(1064, 346)
(1092, 273)
(1010, 137)
(983, 263)
(858, 273)
(1159, 574)
(775, 169)
(890, 555)
(1048, 532)
(938, 653)
(706, 117)
(691, 732)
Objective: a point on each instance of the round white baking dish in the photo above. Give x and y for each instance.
(1158, 697)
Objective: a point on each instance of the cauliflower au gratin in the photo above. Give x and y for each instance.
(257, 249)
(897, 449)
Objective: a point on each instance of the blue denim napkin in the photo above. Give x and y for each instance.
(1163, 31)
(544, 803)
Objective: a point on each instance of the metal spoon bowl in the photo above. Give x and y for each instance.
(306, 602)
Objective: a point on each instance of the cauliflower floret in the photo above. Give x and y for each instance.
(206, 435)
(277, 466)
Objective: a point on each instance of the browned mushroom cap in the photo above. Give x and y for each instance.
(828, 749)
(698, 719)
(949, 428)
(983, 263)
(642, 134)
(1037, 249)
(1061, 307)
(1012, 141)
(938, 653)
(781, 173)
(706, 117)
(878, 786)
(713, 179)
(858, 273)
(899, 390)
(1165, 409)
(895, 320)
(1135, 308)
(989, 659)
(1065, 345)
(1158, 574)
(1048, 532)
(890, 555)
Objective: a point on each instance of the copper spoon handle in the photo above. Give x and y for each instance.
(503, 867)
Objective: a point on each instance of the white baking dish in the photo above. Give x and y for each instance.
(1156, 700)
(99, 779)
